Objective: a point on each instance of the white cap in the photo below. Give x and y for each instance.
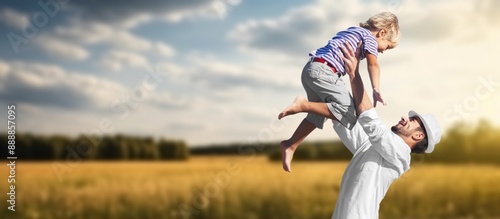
(432, 129)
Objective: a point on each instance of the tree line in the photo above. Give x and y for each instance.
(321, 150)
(465, 143)
(462, 143)
(117, 147)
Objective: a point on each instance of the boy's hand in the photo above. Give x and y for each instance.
(377, 97)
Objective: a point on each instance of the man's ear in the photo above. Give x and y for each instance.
(417, 136)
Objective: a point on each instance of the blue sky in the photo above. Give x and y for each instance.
(225, 67)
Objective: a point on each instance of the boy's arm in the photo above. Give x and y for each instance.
(374, 72)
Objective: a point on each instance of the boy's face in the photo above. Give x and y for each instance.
(383, 44)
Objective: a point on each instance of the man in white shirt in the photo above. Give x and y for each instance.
(380, 155)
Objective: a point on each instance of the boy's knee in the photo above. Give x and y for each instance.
(317, 120)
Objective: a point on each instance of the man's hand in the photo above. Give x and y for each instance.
(377, 97)
(350, 58)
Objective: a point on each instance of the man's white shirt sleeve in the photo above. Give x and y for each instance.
(389, 145)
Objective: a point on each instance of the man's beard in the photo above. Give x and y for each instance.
(400, 131)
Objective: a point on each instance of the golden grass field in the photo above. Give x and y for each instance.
(239, 188)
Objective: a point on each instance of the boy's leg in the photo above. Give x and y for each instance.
(307, 125)
(315, 87)
(327, 97)
(289, 146)
(300, 104)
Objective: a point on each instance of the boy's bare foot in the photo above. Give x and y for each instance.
(286, 156)
(295, 107)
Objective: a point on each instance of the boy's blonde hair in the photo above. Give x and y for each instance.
(387, 21)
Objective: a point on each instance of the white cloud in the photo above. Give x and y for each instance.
(167, 100)
(209, 10)
(214, 74)
(173, 70)
(116, 60)
(94, 33)
(125, 40)
(135, 20)
(490, 10)
(164, 49)
(129, 13)
(87, 33)
(14, 18)
(90, 33)
(60, 48)
(4, 69)
(300, 29)
(305, 28)
(51, 85)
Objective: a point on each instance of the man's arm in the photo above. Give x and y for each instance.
(361, 100)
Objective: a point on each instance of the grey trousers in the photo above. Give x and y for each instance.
(323, 85)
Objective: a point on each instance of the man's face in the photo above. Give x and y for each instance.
(407, 126)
